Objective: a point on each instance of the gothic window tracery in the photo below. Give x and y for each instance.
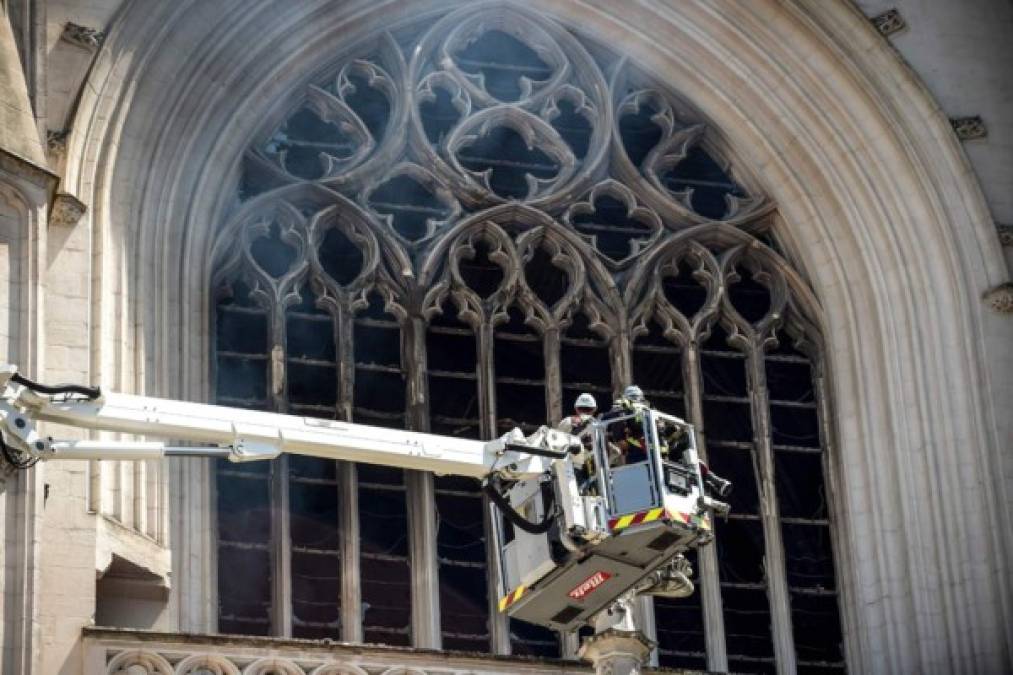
(459, 229)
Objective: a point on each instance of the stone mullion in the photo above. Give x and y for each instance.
(553, 381)
(707, 557)
(348, 488)
(551, 359)
(348, 523)
(499, 624)
(421, 499)
(281, 537)
(773, 546)
(486, 380)
(344, 329)
(622, 363)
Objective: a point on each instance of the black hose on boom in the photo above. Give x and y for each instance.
(516, 519)
(90, 393)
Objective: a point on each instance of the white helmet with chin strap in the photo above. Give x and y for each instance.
(585, 400)
(634, 393)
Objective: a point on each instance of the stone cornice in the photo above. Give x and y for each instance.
(24, 168)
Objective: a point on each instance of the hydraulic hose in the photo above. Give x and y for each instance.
(88, 392)
(516, 519)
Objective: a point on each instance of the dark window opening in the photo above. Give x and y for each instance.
(682, 642)
(369, 104)
(616, 234)
(410, 206)
(316, 550)
(502, 60)
(684, 291)
(438, 115)
(480, 273)
(379, 387)
(303, 140)
(639, 132)
(584, 365)
(461, 550)
(502, 152)
(657, 369)
(520, 376)
(548, 281)
(573, 127)
(340, 257)
(711, 185)
(750, 298)
(385, 568)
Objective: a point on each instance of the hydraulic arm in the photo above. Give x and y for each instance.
(578, 523)
(245, 435)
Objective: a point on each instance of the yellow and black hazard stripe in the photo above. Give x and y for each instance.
(631, 519)
(512, 597)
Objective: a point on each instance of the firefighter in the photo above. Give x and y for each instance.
(578, 424)
(628, 438)
(632, 398)
(584, 409)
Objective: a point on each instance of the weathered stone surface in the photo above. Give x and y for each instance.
(18, 133)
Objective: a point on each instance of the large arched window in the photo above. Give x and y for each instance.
(458, 226)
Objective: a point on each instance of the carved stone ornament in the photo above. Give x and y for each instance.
(1005, 235)
(617, 652)
(56, 141)
(83, 36)
(889, 22)
(1000, 298)
(969, 128)
(67, 210)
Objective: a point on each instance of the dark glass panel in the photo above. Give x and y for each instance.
(340, 257)
(273, 254)
(574, 128)
(502, 60)
(244, 590)
(410, 204)
(740, 550)
(639, 132)
(615, 233)
(684, 292)
(481, 274)
(808, 556)
(548, 281)
(816, 623)
(747, 624)
(504, 153)
(369, 103)
(750, 298)
(709, 182)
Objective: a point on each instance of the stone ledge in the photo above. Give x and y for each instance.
(175, 647)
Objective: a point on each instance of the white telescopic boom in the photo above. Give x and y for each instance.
(243, 435)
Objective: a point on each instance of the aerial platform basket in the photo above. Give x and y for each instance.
(641, 515)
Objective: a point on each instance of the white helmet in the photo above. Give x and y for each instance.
(585, 400)
(633, 393)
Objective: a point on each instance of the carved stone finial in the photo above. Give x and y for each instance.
(83, 36)
(1000, 298)
(968, 128)
(67, 209)
(1005, 235)
(617, 652)
(889, 22)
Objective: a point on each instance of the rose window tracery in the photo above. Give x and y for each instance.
(458, 229)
